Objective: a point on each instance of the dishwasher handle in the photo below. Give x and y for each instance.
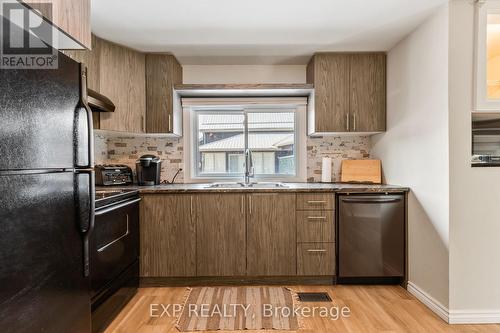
(371, 201)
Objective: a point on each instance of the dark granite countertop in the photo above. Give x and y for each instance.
(290, 187)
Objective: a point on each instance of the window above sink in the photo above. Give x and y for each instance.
(220, 132)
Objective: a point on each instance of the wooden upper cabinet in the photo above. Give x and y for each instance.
(120, 74)
(330, 75)
(163, 71)
(168, 236)
(221, 234)
(122, 79)
(136, 63)
(70, 16)
(368, 92)
(271, 235)
(92, 60)
(350, 92)
(141, 87)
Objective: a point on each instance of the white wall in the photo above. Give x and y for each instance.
(474, 192)
(244, 74)
(414, 150)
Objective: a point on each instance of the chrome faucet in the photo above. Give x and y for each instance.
(249, 169)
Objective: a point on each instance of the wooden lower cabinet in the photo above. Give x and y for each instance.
(221, 234)
(168, 236)
(234, 235)
(271, 235)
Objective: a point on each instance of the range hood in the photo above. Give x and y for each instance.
(98, 102)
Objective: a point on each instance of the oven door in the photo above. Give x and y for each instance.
(114, 244)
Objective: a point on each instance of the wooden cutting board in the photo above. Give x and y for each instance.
(361, 171)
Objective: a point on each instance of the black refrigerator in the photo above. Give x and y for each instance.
(46, 199)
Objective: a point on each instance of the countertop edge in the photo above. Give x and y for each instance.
(294, 188)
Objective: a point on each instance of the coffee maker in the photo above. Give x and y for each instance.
(148, 169)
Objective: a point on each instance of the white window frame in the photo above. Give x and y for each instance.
(254, 104)
(481, 101)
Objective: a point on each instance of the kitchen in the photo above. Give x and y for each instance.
(160, 166)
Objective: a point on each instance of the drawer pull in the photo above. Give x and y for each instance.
(316, 250)
(316, 202)
(316, 217)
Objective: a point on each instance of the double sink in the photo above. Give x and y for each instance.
(246, 185)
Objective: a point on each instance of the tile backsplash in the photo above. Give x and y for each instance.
(127, 149)
(338, 148)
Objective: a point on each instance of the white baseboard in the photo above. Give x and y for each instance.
(454, 316)
(434, 305)
(474, 317)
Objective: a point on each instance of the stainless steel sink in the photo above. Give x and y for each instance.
(224, 185)
(243, 185)
(268, 185)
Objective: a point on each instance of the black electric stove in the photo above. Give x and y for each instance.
(114, 260)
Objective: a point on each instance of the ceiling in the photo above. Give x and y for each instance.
(257, 31)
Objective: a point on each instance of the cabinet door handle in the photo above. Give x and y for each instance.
(347, 116)
(354, 120)
(316, 202)
(250, 204)
(169, 123)
(242, 205)
(316, 250)
(143, 126)
(316, 217)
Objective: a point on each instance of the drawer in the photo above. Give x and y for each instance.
(315, 201)
(315, 226)
(315, 259)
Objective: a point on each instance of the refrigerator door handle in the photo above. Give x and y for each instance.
(85, 108)
(86, 221)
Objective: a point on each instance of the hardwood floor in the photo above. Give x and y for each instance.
(373, 309)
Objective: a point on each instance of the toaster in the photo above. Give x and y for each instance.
(113, 174)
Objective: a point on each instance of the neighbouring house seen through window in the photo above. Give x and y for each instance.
(222, 136)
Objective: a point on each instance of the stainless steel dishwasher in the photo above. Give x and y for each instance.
(371, 237)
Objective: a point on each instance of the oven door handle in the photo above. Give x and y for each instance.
(115, 207)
